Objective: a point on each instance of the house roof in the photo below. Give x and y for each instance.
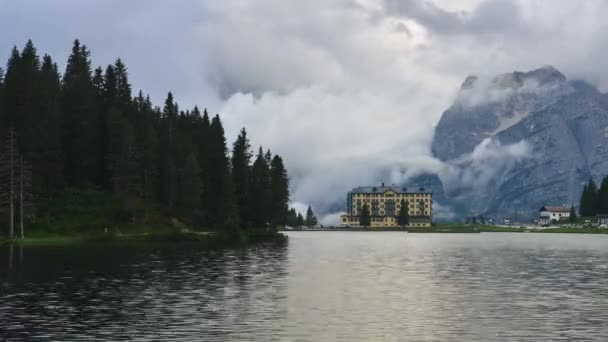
(555, 209)
(394, 188)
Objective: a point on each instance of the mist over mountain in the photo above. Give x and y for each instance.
(515, 142)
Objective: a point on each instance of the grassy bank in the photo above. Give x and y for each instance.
(85, 217)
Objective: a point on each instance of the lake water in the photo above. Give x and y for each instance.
(321, 286)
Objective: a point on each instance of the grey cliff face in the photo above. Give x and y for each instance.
(564, 125)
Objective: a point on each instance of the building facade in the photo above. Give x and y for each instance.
(384, 203)
(549, 215)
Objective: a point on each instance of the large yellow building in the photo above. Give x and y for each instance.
(384, 203)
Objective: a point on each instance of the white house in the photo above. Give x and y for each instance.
(549, 214)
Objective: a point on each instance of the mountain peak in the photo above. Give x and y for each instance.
(543, 75)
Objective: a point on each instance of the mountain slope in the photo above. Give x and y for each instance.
(563, 125)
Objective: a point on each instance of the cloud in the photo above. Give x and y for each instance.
(348, 91)
(482, 170)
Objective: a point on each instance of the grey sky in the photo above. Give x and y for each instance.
(310, 78)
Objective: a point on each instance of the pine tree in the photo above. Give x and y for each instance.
(292, 218)
(79, 108)
(218, 203)
(602, 198)
(48, 160)
(228, 212)
(300, 221)
(149, 162)
(589, 200)
(404, 218)
(167, 152)
(311, 219)
(261, 195)
(83, 129)
(582, 209)
(279, 188)
(572, 214)
(365, 219)
(123, 87)
(3, 122)
(191, 187)
(8, 178)
(241, 160)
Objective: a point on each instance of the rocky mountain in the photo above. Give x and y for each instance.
(521, 140)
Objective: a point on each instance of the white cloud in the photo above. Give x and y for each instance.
(343, 89)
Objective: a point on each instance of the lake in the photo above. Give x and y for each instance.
(320, 286)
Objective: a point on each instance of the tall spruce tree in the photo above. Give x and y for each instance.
(47, 180)
(404, 216)
(292, 218)
(365, 219)
(261, 195)
(602, 198)
(191, 188)
(79, 108)
(582, 210)
(241, 160)
(311, 219)
(168, 176)
(279, 188)
(589, 199)
(218, 201)
(572, 214)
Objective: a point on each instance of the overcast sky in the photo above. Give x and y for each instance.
(341, 88)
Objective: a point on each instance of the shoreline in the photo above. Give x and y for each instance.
(204, 239)
(461, 230)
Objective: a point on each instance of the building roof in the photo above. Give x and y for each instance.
(394, 188)
(555, 209)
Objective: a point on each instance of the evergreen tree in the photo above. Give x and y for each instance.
(404, 217)
(167, 153)
(228, 212)
(572, 214)
(3, 122)
(218, 197)
(79, 108)
(292, 218)
(8, 178)
(123, 87)
(279, 187)
(48, 159)
(602, 198)
(300, 220)
(241, 160)
(84, 129)
(149, 162)
(11, 90)
(582, 210)
(191, 187)
(589, 200)
(311, 219)
(365, 219)
(261, 195)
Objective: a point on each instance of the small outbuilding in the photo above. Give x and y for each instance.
(551, 214)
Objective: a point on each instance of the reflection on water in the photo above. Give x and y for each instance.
(323, 286)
